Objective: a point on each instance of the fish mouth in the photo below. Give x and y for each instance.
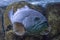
(19, 33)
(18, 29)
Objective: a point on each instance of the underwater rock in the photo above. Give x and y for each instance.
(53, 15)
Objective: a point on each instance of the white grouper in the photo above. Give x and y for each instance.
(34, 22)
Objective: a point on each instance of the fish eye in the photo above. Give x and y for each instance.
(37, 19)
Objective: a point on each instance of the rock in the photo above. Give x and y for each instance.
(53, 16)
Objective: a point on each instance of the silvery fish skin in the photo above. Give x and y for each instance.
(33, 21)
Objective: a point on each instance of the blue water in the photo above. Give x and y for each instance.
(41, 2)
